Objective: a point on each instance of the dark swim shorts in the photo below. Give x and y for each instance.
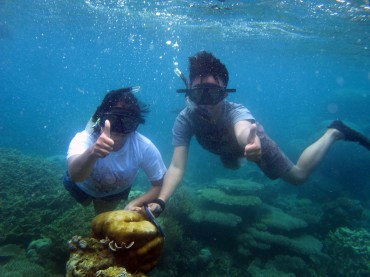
(80, 196)
(274, 163)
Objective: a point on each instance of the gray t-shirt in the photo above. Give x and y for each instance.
(218, 138)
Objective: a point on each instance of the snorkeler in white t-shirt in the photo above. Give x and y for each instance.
(104, 159)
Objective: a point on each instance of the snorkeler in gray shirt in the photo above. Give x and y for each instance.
(230, 131)
(219, 137)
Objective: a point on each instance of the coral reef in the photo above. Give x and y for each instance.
(277, 219)
(39, 249)
(135, 241)
(13, 262)
(304, 245)
(114, 271)
(341, 212)
(22, 267)
(216, 217)
(34, 204)
(10, 251)
(255, 269)
(90, 258)
(217, 196)
(281, 265)
(349, 250)
(237, 186)
(32, 196)
(303, 208)
(275, 228)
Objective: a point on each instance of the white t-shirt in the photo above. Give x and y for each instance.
(117, 171)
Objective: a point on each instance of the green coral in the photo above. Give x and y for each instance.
(280, 220)
(235, 186)
(350, 249)
(257, 269)
(32, 196)
(9, 251)
(35, 204)
(281, 265)
(357, 241)
(220, 218)
(304, 245)
(22, 267)
(217, 196)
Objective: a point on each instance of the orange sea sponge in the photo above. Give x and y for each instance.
(135, 241)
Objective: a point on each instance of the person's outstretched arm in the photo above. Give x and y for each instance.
(80, 166)
(149, 196)
(173, 176)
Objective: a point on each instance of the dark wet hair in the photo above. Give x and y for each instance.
(127, 99)
(205, 64)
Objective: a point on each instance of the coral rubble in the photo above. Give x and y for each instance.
(89, 258)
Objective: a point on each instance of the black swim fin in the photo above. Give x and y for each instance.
(350, 134)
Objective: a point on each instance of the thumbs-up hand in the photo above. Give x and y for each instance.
(252, 150)
(104, 144)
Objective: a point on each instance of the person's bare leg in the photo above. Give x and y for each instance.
(102, 206)
(311, 157)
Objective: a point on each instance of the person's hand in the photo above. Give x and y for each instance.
(136, 209)
(252, 150)
(153, 207)
(104, 145)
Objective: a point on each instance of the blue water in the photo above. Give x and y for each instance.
(296, 65)
(290, 62)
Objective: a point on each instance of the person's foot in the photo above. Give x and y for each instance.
(350, 134)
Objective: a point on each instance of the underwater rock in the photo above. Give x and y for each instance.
(135, 242)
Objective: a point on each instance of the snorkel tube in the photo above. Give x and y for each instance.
(183, 77)
(189, 103)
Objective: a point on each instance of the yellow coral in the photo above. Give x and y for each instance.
(136, 241)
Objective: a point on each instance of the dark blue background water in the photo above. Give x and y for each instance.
(296, 65)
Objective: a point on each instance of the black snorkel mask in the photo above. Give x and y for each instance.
(121, 120)
(205, 93)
